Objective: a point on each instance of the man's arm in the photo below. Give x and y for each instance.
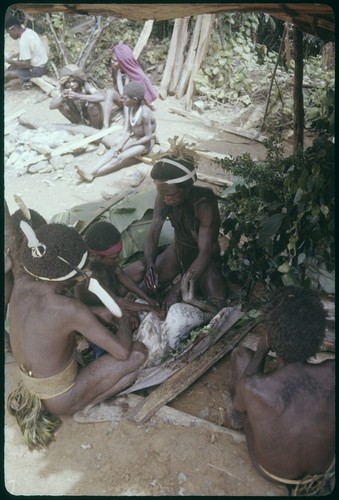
(152, 240)
(207, 237)
(257, 363)
(247, 380)
(19, 63)
(127, 282)
(82, 320)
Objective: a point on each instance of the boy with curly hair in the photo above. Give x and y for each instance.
(288, 413)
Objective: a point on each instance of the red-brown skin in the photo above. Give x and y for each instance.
(44, 323)
(288, 413)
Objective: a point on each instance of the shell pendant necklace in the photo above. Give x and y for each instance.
(133, 119)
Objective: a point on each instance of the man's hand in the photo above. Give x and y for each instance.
(103, 314)
(134, 320)
(152, 278)
(187, 293)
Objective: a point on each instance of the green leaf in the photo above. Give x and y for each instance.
(290, 279)
(284, 268)
(269, 228)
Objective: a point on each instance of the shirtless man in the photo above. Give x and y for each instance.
(79, 102)
(138, 137)
(194, 214)
(288, 413)
(44, 322)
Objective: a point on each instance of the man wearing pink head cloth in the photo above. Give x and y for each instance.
(125, 68)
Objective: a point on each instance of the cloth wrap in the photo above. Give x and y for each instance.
(131, 67)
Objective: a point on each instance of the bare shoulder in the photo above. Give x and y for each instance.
(146, 112)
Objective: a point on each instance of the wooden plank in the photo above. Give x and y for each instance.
(186, 376)
(71, 146)
(225, 128)
(9, 128)
(143, 38)
(214, 180)
(209, 335)
(45, 86)
(13, 116)
(113, 410)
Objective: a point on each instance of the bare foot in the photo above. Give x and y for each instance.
(84, 175)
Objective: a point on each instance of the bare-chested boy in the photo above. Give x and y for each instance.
(105, 245)
(288, 413)
(138, 137)
(44, 322)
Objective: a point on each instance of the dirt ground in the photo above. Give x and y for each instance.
(156, 458)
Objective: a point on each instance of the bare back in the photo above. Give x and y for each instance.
(43, 324)
(290, 421)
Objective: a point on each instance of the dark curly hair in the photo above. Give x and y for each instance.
(37, 220)
(60, 240)
(163, 171)
(296, 322)
(11, 21)
(135, 89)
(101, 236)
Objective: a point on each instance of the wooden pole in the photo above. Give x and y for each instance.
(143, 38)
(298, 121)
(179, 60)
(205, 33)
(171, 58)
(183, 82)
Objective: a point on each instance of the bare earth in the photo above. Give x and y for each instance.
(103, 459)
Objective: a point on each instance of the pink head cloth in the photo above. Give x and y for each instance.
(115, 249)
(131, 67)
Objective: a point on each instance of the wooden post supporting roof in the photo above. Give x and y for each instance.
(298, 116)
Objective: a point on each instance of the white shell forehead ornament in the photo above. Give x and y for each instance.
(189, 174)
(38, 249)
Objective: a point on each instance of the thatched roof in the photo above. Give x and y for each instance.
(314, 18)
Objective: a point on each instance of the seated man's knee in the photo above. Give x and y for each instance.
(140, 352)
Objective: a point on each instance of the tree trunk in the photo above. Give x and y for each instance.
(298, 125)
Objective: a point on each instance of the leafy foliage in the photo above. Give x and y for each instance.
(239, 71)
(279, 215)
